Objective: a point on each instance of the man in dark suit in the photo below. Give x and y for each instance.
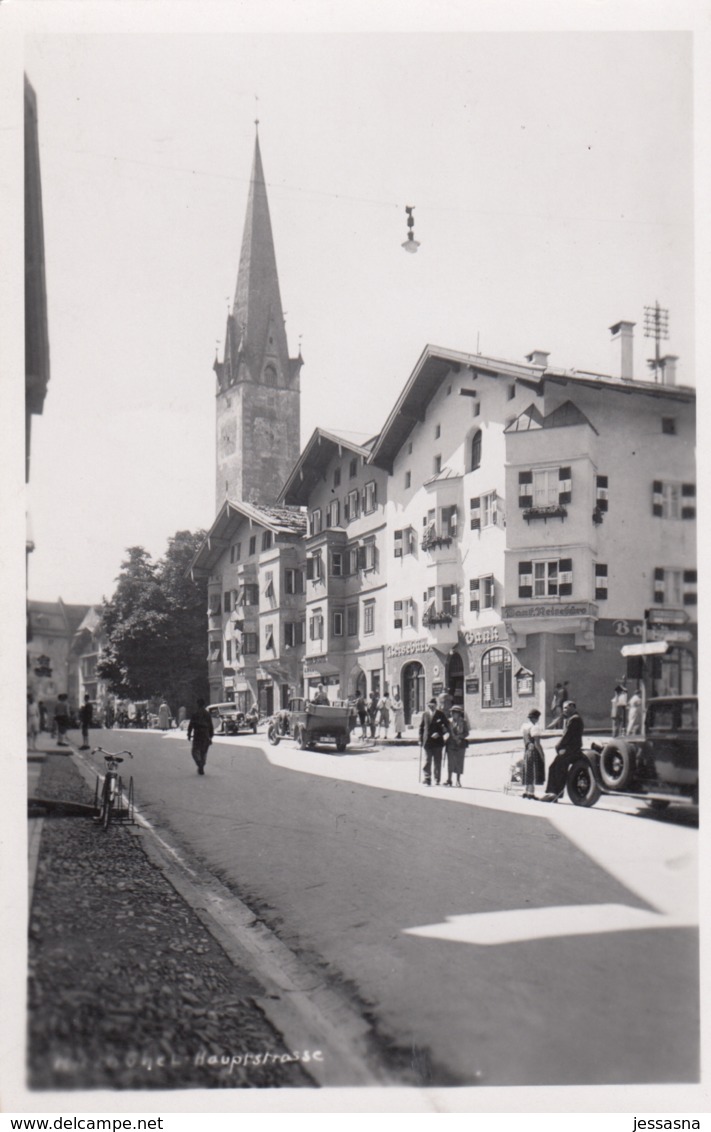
(434, 731)
(569, 748)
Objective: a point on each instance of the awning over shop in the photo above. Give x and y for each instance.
(238, 685)
(650, 648)
(320, 668)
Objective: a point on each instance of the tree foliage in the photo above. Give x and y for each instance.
(156, 627)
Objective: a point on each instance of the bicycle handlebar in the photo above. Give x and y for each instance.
(111, 755)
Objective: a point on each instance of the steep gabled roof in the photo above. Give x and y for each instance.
(318, 453)
(435, 363)
(280, 520)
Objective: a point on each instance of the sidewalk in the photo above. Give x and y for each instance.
(127, 988)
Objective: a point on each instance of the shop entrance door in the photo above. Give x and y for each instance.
(413, 690)
(266, 698)
(455, 678)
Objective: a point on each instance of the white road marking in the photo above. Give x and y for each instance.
(518, 925)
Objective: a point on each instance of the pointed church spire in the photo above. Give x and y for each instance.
(257, 310)
(258, 385)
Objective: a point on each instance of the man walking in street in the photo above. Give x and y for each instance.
(200, 731)
(86, 719)
(61, 718)
(569, 748)
(434, 731)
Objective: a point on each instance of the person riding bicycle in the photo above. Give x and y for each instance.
(200, 731)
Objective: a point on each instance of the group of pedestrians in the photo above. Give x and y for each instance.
(378, 714)
(443, 730)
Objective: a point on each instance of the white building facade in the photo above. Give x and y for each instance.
(533, 516)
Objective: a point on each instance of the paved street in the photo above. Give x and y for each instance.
(493, 940)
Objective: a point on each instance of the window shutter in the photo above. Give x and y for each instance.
(362, 561)
(525, 579)
(659, 584)
(565, 485)
(688, 506)
(474, 595)
(475, 513)
(601, 493)
(600, 581)
(565, 577)
(453, 522)
(657, 498)
(689, 587)
(398, 544)
(525, 489)
(397, 609)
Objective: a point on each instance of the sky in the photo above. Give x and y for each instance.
(552, 174)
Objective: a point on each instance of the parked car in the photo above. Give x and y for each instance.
(660, 767)
(227, 719)
(308, 724)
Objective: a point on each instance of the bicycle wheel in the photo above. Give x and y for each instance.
(97, 796)
(108, 802)
(131, 806)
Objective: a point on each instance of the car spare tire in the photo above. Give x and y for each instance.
(616, 764)
(581, 785)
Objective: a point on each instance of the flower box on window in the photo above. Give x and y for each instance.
(430, 541)
(550, 511)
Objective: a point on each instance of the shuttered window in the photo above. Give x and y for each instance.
(600, 581)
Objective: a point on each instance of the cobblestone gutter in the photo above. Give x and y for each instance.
(127, 989)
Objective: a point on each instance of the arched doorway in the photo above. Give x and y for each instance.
(357, 682)
(413, 690)
(455, 678)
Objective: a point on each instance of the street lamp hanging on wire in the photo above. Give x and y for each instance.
(411, 244)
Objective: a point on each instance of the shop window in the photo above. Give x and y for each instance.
(496, 680)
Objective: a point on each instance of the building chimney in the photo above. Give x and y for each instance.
(624, 331)
(538, 358)
(667, 365)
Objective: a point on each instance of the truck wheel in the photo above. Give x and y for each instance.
(301, 740)
(582, 788)
(659, 805)
(273, 734)
(341, 744)
(616, 764)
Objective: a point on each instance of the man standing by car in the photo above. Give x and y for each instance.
(569, 748)
(201, 731)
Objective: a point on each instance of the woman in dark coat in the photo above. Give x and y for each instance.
(456, 745)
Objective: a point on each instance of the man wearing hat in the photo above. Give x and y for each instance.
(569, 748)
(434, 731)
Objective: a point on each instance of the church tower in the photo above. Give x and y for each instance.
(258, 384)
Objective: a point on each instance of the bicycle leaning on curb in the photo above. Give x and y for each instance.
(112, 802)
